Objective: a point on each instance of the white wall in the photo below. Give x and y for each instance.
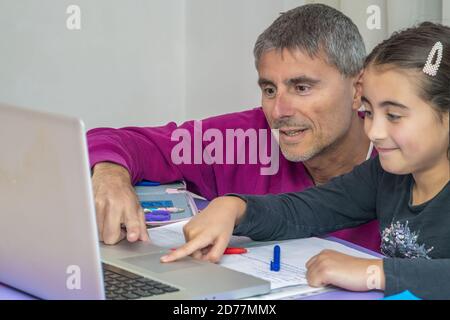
(395, 15)
(412, 12)
(220, 35)
(146, 62)
(134, 62)
(357, 11)
(125, 66)
(446, 12)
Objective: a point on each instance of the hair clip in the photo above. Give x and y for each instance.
(430, 68)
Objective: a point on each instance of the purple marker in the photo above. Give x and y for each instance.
(157, 215)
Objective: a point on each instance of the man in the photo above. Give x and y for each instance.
(309, 63)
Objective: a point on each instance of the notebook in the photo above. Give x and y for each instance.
(171, 202)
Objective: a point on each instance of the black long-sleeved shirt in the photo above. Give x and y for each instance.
(415, 239)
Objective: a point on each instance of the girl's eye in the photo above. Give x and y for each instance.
(393, 117)
(302, 89)
(269, 92)
(368, 113)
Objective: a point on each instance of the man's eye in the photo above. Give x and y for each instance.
(269, 91)
(302, 88)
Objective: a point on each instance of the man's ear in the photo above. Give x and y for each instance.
(357, 91)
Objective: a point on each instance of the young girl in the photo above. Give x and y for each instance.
(406, 95)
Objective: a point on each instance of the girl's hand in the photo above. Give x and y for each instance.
(208, 233)
(356, 274)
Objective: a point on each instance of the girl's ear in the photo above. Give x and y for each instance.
(357, 91)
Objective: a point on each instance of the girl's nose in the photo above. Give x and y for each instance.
(376, 130)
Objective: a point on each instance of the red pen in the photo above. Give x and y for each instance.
(229, 250)
(235, 251)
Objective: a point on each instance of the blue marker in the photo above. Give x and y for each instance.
(146, 183)
(275, 263)
(157, 204)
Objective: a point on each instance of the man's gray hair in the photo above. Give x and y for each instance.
(313, 29)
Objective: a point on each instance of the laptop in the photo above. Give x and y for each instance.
(49, 245)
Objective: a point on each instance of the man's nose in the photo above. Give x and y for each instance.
(283, 107)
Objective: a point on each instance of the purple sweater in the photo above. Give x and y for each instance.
(146, 153)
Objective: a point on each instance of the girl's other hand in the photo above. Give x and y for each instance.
(356, 274)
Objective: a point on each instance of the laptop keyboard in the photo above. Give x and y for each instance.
(124, 285)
